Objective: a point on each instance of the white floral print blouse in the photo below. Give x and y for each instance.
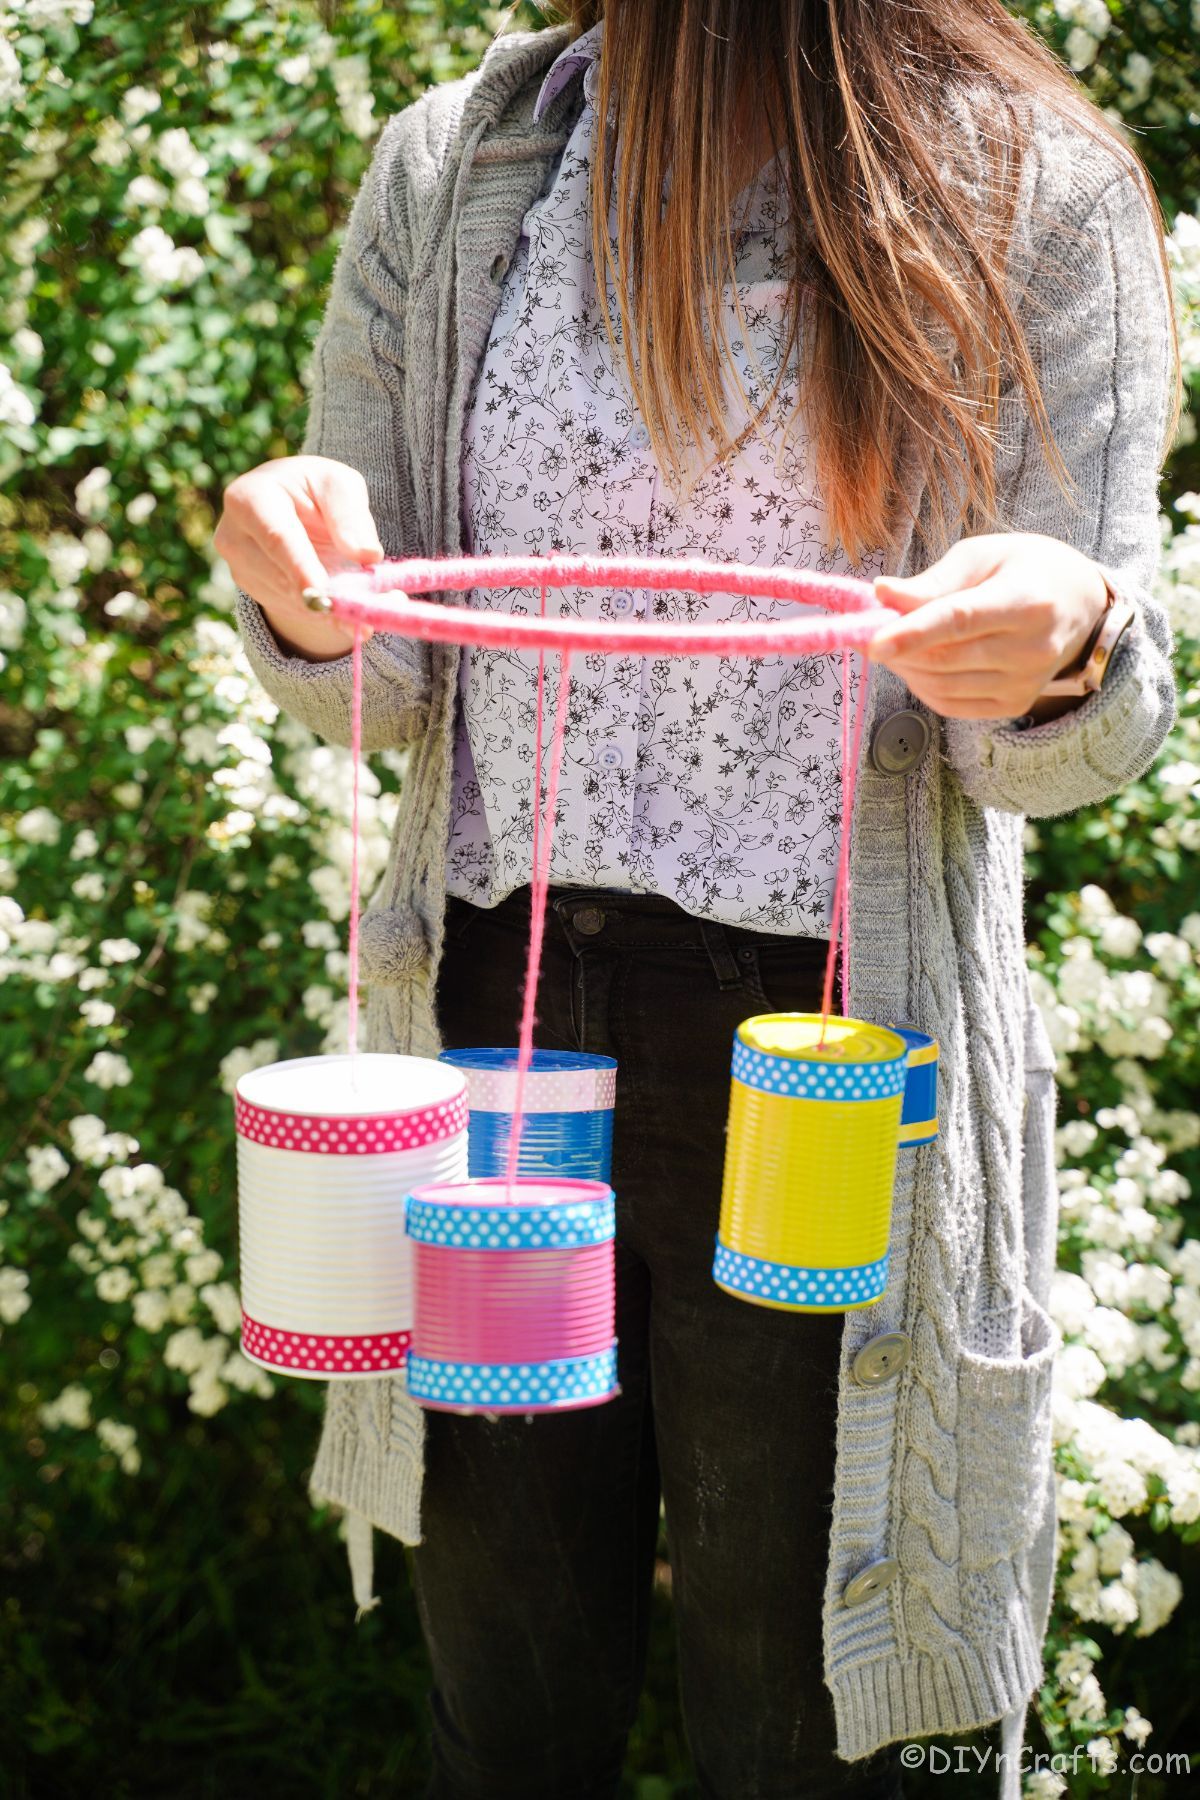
(714, 783)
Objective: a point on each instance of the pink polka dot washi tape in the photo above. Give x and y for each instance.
(351, 1105)
(323, 1354)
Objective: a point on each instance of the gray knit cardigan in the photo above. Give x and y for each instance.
(944, 1470)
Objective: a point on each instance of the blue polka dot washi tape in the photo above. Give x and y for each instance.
(523, 1225)
(513, 1387)
(817, 1078)
(785, 1285)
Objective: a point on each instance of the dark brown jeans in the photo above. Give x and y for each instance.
(535, 1574)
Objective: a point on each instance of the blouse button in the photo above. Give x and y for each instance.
(639, 437)
(622, 603)
(610, 757)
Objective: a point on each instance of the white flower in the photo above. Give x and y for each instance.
(1136, 1728)
(140, 508)
(1044, 1784)
(1078, 1371)
(137, 103)
(13, 618)
(126, 605)
(161, 260)
(11, 87)
(39, 826)
(1120, 937)
(178, 155)
(203, 1266)
(1101, 1750)
(73, 1408)
(294, 69)
(47, 1166)
(121, 1440)
(108, 1069)
(114, 1285)
(118, 950)
(91, 493)
(151, 1309)
(16, 407)
(1122, 1488)
(1172, 954)
(89, 887)
(14, 1295)
(1114, 1547)
(1159, 1592)
(1183, 1492)
(221, 1299)
(145, 191)
(239, 1062)
(97, 1013)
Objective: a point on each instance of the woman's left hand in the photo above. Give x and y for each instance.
(990, 623)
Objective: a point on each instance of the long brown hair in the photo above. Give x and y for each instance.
(898, 267)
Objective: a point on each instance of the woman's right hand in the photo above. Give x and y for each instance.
(286, 526)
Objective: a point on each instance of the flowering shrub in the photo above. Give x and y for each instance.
(173, 894)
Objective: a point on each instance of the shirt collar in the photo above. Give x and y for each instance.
(581, 53)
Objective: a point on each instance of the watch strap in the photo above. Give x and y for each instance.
(1087, 673)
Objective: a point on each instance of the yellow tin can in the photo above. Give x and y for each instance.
(810, 1160)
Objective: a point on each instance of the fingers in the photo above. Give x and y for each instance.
(341, 496)
(260, 511)
(967, 563)
(991, 609)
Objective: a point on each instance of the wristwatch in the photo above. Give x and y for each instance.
(1086, 673)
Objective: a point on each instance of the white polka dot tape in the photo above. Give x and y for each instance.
(756, 1278)
(375, 1135)
(304, 1353)
(546, 1090)
(513, 1386)
(815, 1079)
(510, 1227)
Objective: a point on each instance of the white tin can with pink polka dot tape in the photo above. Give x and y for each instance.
(329, 1148)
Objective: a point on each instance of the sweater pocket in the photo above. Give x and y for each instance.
(1004, 1442)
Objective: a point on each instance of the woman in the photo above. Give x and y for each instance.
(902, 311)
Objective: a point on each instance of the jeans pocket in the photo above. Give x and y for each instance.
(1004, 1441)
(786, 976)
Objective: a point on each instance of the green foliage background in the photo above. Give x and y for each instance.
(174, 1619)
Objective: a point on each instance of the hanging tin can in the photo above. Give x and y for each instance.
(568, 1112)
(810, 1162)
(918, 1118)
(328, 1149)
(514, 1296)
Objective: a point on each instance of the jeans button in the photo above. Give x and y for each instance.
(899, 742)
(589, 920)
(870, 1581)
(881, 1358)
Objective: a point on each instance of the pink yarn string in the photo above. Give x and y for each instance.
(356, 688)
(839, 923)
(539, 891)
(537, 746)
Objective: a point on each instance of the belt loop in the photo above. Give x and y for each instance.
(716, 942)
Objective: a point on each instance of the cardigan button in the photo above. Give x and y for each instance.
(899, 742)
(871, 1581)
(881, 1359)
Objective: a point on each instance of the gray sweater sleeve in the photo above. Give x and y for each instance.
(1099, 325)
(355, 417)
